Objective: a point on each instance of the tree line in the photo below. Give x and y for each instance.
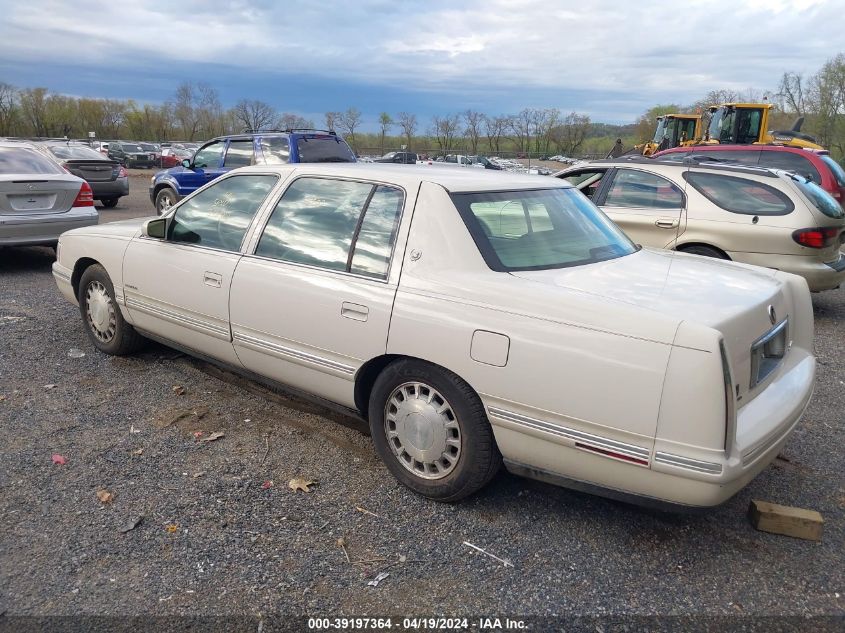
(194, 112)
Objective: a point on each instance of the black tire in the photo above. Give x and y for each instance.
(165, 199)
(109, 203)
(124, 339)
(705, 251)
(479, 458)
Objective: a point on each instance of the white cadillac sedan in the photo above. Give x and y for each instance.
(472, 318)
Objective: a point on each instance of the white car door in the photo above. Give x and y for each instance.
(313, 301)
(178, 288)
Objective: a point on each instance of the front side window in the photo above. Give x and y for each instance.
(239, 154)
(208, 157)
(673, 157)
(640, 189)
(22, 160)
(334, 224)
(588, 181)
(540, 229)
(740, 195)
(219, 216)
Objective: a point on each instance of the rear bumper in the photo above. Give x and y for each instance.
(676, 475)
(111, 189)
(20, 230)
(819, 275)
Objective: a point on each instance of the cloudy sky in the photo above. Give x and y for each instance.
(609, 59)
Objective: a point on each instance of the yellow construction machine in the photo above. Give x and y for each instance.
(748, 123)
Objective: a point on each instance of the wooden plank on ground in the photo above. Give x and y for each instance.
(778, 519)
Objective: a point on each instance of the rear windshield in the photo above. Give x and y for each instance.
(836, 168)
(820, 198)
(323, 149)
(22, 160)
(540, 229)
(75, 152)
(740, 195)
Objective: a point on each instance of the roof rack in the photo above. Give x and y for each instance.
(289, 130)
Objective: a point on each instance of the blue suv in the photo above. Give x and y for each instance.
(222, 154)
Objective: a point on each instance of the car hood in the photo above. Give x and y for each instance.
(172, 171)
(122, 228)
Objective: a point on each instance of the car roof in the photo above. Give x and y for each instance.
(765, 172)
(453, 179)
(738, 148)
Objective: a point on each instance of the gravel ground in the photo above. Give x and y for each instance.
(215, 538)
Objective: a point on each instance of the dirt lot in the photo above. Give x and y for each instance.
(218, 531)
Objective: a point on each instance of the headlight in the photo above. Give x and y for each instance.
(767, 352)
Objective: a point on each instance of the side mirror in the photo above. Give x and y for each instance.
(155, 228)
(186, 163)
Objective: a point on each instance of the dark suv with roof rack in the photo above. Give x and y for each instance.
(260, 147)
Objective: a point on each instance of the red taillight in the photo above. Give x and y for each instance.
(816, 238)
(85, 197)
(122, 173)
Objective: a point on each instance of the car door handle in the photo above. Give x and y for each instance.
(666, 224)
(214, 280)
(354, 311)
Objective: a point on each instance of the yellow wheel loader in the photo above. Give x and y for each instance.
(673, 130)
(748, 123)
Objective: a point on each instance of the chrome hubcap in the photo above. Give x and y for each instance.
(100, 311)
(422, 430)
(165, 203)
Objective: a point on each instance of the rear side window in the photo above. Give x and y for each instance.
(334, 224)
(791, 161)
(239, 154)
(275, 150)
(219, 216)
(835, 168)
(746, 157)
(22, 160)
(820, 198)
(740, 195)
(639, 189)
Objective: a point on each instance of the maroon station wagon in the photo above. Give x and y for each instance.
(816, 165)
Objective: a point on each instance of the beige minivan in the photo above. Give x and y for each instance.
(753, 215)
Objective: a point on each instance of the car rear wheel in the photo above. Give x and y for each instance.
(430, 429)
(109, 203)
(165, 199)
(103, 321)
(705, 251)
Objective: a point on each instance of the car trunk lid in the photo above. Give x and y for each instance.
(93, 170)
(734, 299)
(28, 194)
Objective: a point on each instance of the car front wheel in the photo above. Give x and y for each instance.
(430, 429)
(103, 321)
(165, 199)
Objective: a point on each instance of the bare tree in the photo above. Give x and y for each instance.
(332, 120)
(8, 107)
(289, 121)
(444, 129)
(33, 108)
(494, 129)
(385, 122)
(350, 120)
(184, 110)
(408, 123)
(570, 135)
(254, 114)
(473, 121)
(522, 125)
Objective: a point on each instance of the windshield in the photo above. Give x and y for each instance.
(540, 229)
(131, 148)
(75, 152)
(149, 147)
(22, 160)
(660, 131)
(318, 148)
(820, 198)
(721, 124)
(836, 168)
